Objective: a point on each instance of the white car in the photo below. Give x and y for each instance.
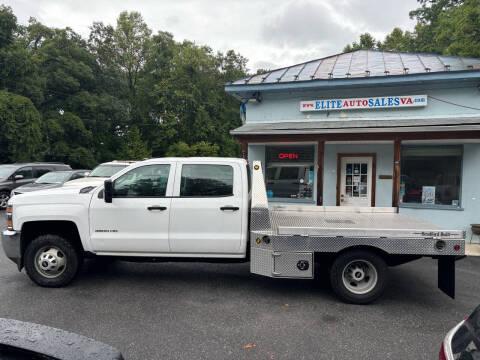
(100, 173)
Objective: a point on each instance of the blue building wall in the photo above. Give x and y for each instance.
(285, 106)
(276, 107)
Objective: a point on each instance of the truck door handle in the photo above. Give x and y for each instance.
(156, 207)
(232, 208)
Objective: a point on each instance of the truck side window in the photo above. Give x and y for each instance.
(145, 181)
(206, 180)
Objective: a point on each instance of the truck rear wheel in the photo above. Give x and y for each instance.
(358, 276)
(52, 261)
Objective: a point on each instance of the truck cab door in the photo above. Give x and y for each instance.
(137, 219)
(207, 209)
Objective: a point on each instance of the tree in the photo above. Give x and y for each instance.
(18, 69)
(450, 27)
(68, 140)
(458, 30)
(430, 10)
(8, 25)
(398, 40)
(35, 33)
(201, 148)
(366, 42)
(20, 134)
(132, 43)
(124, 93)
(133, 147)
(180, 149)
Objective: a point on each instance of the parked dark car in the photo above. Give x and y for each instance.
(463, 341)
(51, 180)
(15, 175)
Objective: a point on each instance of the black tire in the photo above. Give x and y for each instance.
(63, 249)
(106, 260)
(366, 292)
(4, 196)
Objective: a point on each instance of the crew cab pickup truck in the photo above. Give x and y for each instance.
(216, 209)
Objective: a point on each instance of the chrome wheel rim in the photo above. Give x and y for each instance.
(4, 200)
(359, 276)
(50, 262)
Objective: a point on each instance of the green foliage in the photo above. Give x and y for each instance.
(8, 25)
(20, 134)
(366, 42)
(201, 148)
(458, 30)
(132, 43)
(124, 93)
(133, 147)
(430, 10)
(450, 27)
(398, 40)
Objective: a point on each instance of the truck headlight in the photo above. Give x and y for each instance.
(10, 217)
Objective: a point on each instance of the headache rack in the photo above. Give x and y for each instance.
(284, 237)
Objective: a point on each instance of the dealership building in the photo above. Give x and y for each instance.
(369, 128)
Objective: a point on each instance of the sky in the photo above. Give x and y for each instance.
(269, 33)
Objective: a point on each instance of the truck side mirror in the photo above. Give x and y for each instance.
(18, 177)
(108, 190)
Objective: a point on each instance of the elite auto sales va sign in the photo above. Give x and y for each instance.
(376, 102)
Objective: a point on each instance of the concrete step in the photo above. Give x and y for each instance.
(472, 249)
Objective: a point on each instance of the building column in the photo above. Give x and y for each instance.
(397, 154)
(320, 171)
(244, 150)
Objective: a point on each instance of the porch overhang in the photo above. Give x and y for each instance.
(370, 126)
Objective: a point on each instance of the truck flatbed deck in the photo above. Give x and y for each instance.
(364, 222)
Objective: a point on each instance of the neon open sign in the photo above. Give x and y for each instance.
(289, 156)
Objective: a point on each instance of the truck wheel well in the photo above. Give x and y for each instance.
(373, 249)
(390, 259)
(67, 229)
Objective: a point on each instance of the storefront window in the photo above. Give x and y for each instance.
(290, 172)
(431, 175)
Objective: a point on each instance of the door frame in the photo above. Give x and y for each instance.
(340, 156)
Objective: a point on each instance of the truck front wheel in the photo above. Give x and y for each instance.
(358, 276)
(52, 261)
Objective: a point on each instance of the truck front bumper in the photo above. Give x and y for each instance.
(11, 246)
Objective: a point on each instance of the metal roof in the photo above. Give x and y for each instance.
(358, 126)
(363, 64)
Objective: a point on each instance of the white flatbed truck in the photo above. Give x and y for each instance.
(216, 209)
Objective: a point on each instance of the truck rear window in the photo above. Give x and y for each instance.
(206, 180)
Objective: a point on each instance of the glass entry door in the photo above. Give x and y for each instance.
(356, 181)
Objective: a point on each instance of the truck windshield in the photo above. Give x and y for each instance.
(106, 170)
(5, 171)
(54, 177)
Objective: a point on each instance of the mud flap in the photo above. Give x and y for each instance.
(446, 275)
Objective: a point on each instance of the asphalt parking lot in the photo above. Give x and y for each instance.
(221, 311)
